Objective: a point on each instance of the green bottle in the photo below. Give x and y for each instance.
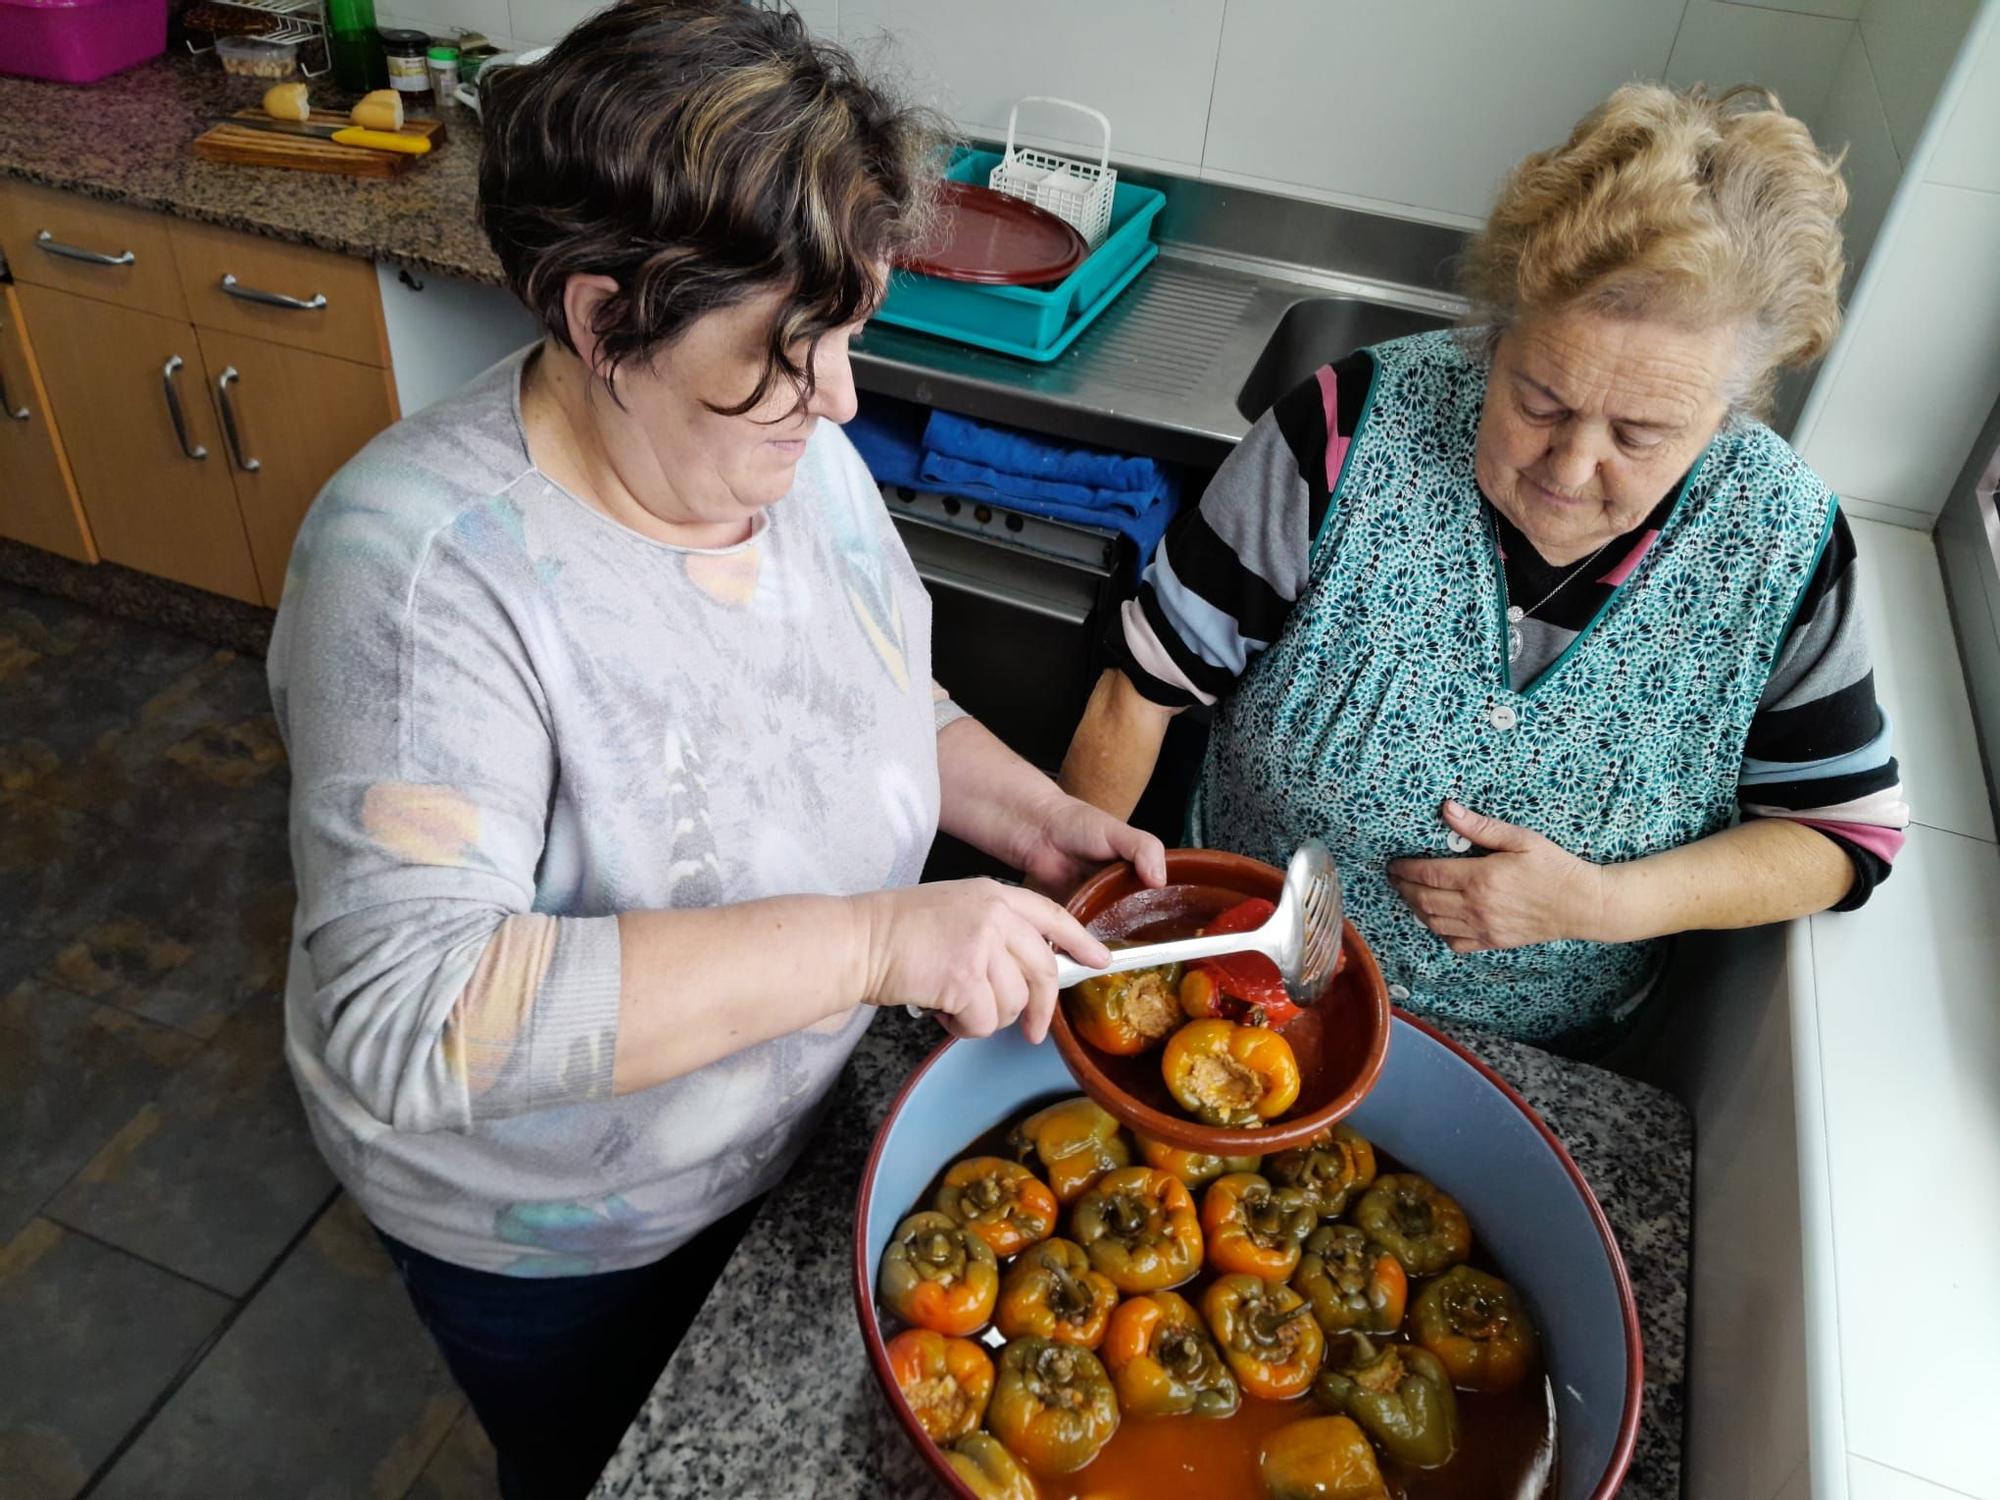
(358, 65)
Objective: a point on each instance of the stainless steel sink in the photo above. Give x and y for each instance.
(1251, 292)
(1317, 331)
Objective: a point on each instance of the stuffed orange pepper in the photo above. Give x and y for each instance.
(1052, 1406)
(1192, 1167)
(1129, 1012)
(1321, 1458)
(1051, 1292)
(1076, 1143)
(1332, 1169)
(1352, 1284)
(1163, 1362)
(1253, 1227)
(939, 1276)
(1001, 1201)
(986, 1468)
(1476, 1326)
(946, 1381)
(1139, 1227)
(1267, 1334)
(1225, 1074)
(1416, 1221)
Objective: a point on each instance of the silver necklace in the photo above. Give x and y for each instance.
(1516, 614)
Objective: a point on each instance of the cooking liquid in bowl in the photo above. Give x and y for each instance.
(1506, 1448)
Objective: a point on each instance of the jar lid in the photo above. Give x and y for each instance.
(444, 53)
(397, 36)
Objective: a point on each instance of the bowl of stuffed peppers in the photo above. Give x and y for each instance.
(1421, 1302)
(1214, 1056)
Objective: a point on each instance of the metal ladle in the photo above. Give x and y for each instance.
(1302, 937)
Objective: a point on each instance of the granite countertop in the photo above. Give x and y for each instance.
(807, 1419)
(128, 140)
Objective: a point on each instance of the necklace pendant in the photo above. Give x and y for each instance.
(1513, 643)
(1515, 614)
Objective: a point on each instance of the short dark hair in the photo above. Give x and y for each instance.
(700, 152)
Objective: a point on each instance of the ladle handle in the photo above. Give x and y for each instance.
(1147, 955)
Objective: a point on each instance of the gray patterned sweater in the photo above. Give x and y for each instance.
(511, 719)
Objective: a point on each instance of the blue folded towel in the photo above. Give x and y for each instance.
(889, 436)
(954, 455)
(1087, 486)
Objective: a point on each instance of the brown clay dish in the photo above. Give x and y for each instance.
(991, 239)
(1341, 1040)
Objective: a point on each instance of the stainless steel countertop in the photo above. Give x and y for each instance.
(1161, 371)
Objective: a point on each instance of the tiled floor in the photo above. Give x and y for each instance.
(187, 1305)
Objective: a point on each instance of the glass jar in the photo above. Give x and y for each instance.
(406, 54)
(443, 63)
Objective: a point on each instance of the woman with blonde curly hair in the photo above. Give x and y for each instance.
(1544, 590)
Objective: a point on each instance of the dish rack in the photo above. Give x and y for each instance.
(1074, 191)
(302, 22)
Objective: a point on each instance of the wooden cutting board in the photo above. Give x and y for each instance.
(244, 147)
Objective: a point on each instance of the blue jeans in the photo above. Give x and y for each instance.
(556, 1368)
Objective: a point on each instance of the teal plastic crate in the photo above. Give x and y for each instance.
(1030, 322)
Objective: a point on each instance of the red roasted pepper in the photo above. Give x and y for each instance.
(1235, 985)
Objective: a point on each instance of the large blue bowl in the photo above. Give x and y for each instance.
(1435, 1108)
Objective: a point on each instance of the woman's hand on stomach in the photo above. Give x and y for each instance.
(1525, 889)
(975, 951)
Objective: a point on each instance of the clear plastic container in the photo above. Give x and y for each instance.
(252, 57)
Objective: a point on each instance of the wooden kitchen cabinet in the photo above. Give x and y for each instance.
(79, 244)
(158, 497)
(291, 294)
(38, 502)
(296, 416)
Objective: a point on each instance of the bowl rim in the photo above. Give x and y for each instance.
(1218, 1140)
(877, 1346)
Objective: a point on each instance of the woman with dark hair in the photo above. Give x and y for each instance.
(615, 751)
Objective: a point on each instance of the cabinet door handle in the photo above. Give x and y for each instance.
(53, 246)
(236, 288)
(167, 373)
(230, 430)
(18, 413)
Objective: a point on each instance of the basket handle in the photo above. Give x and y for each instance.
(1103, 121)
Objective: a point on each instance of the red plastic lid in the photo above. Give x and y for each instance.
(995, 240)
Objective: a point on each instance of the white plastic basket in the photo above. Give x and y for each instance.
(1074, 191)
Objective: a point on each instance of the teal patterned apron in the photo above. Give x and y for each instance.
(1388, 690)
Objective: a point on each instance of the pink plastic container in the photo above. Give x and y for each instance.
(79, 41)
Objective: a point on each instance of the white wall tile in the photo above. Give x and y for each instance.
(1910, 1051)
(1920, 366)
(540, 21)
(1919, 679)
(1911, 44)
(1852, 117)
(822, 17)
(1795, 56)
(1968, 149)
(443, 17)
(1424, 103)
(1843, 10)
(1873, 1481)
(1145, 63)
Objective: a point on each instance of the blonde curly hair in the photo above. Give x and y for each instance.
(1673, 204)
